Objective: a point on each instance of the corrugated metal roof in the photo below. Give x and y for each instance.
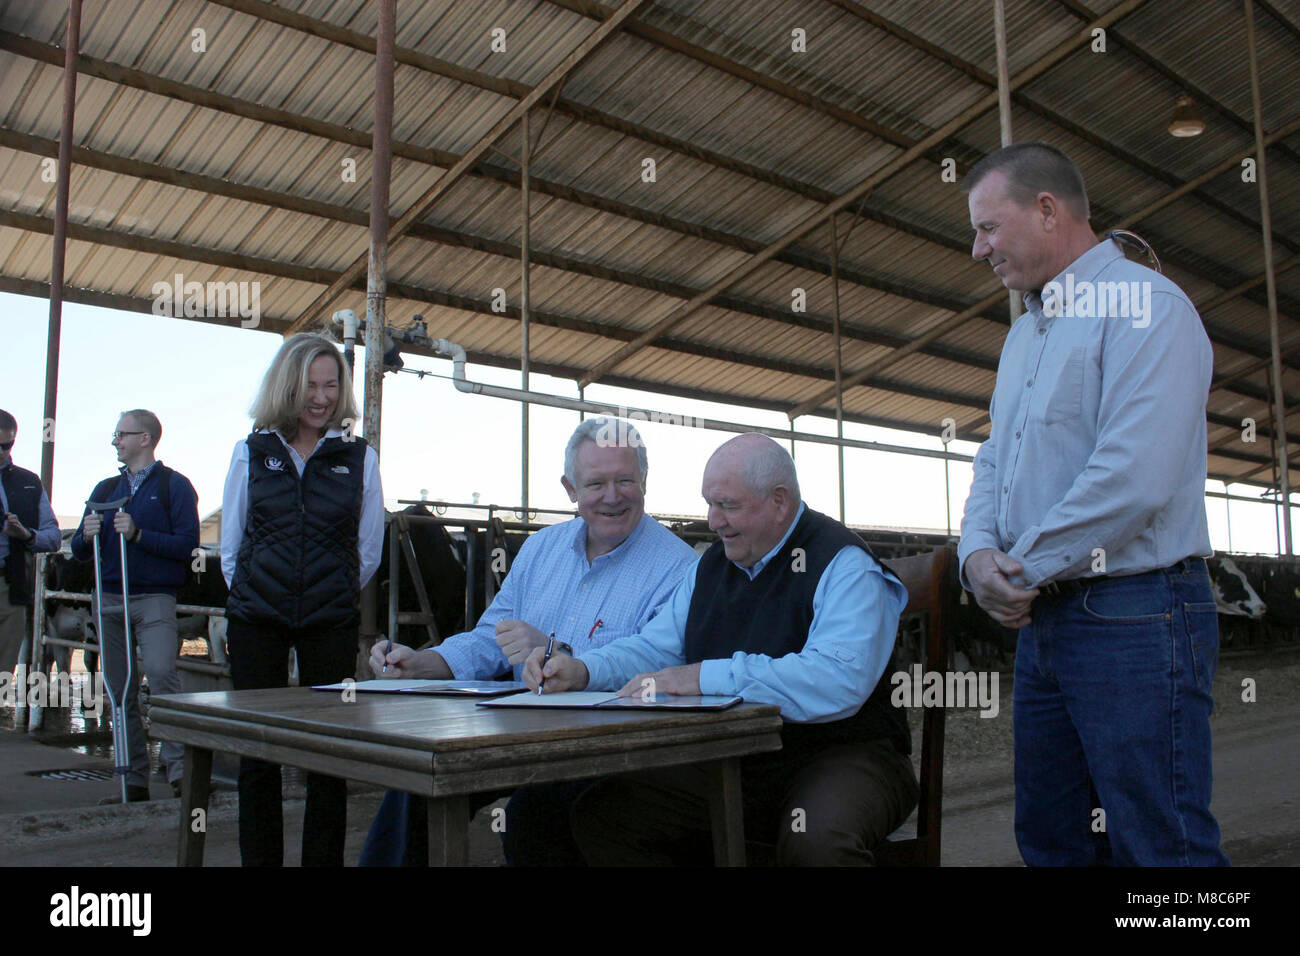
(249, 161)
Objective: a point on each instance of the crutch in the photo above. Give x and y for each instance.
(117, 707)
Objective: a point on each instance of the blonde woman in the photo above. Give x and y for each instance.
(302, 530)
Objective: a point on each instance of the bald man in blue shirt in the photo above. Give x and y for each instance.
(788, 607)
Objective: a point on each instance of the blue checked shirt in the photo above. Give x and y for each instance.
(552, 587)
(1098, 437)
(855, 618)
(136, 478)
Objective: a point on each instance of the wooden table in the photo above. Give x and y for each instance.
(448, 748)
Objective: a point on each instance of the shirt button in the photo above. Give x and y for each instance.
(1029, 384)
(1005, 489)
(1017, 434)
(585, 586)
(1042, 331)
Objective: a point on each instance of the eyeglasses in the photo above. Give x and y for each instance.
(6, 445)
(118, 436)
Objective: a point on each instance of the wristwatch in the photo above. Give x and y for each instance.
(567, 648)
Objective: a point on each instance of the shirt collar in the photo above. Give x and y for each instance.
(762, 562)
(579, 543)
(330, 432)
(1084, 269)
(138, 475)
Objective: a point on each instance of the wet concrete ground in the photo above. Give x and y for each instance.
(46, 822)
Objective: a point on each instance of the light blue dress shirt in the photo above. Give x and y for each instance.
(553, 587)
(1097, 447)
(856, 607)
(48, 536)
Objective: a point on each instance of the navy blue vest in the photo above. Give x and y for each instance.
(298, 565)
(23, 492)
(772, 615)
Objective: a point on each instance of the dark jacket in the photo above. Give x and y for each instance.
(298, 565)
(159, 562)
(23, 492)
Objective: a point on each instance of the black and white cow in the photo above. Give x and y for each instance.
(1232, 592)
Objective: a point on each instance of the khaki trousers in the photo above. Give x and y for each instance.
(13, 628)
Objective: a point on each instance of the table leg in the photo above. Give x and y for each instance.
(195, 788)
(449, 831)
(726, 812)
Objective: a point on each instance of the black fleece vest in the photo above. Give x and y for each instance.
(23, 492)
(772, 615)
(298, 565)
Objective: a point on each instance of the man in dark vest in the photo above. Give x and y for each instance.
(29, 526)
(160, 523)
(790, 608)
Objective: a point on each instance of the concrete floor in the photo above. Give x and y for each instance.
(47, 822)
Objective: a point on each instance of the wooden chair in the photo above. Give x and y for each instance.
(929, 582)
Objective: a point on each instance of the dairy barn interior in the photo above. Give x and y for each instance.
(754, 204)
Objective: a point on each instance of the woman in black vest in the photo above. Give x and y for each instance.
(302, 531)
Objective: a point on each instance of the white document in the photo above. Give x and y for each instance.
(606, 701)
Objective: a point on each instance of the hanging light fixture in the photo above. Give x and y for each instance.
(1187, 118)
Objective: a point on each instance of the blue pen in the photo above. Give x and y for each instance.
(550, 647)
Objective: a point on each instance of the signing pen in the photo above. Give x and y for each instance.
(550, 648)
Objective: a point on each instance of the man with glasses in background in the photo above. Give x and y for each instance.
(29, 526)
(160, 522)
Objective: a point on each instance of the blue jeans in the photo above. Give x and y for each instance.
(1112, 710)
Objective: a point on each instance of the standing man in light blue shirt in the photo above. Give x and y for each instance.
(601, 576)
(1085, 527)
(788, 607)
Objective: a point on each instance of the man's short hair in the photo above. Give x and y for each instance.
(604, 431)
(770, 465)
(148, 422)
(1032, 168)
(7, 422)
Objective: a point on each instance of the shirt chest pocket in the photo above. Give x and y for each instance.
(1065, 404)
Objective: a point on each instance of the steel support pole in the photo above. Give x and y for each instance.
(1004, 109)
(839, 371)
(59, 245)
(377, 266)
(1277, 527)
(1272, 491)
(1270, 279)
(1227, 510)
(394, 574)
(947, 495)
(525, 303)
